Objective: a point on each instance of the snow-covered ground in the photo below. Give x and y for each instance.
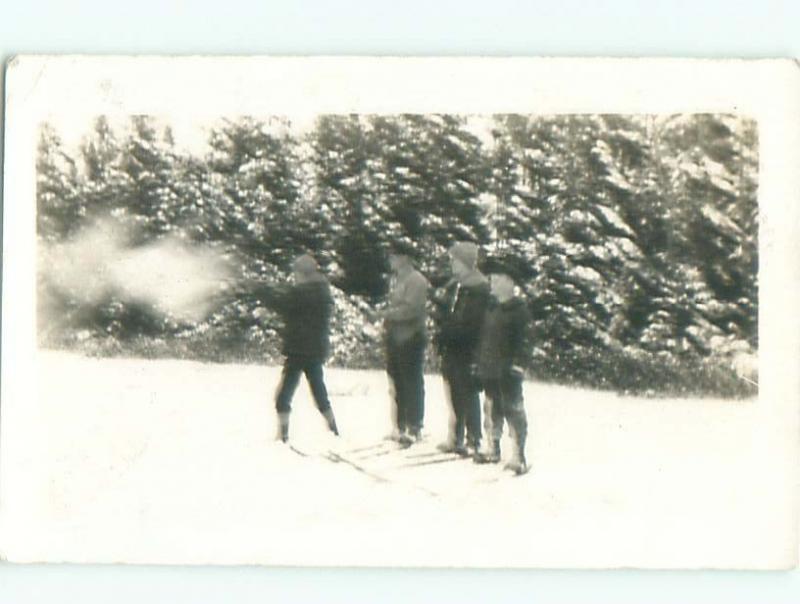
(175, 462)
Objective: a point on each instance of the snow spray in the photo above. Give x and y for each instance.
(170, 275)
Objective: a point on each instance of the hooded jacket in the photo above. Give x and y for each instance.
(462, 308)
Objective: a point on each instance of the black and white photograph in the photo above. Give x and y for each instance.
(411, 327)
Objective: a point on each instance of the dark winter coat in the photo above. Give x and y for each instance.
(306, 310)
(462, 309)
(503, 343)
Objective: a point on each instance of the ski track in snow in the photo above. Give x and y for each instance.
(176, 462)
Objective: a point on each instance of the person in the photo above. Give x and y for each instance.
(405, 337)
(501, 354)
(461, 309)
(306, 309)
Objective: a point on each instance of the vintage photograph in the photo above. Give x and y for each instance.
(412, 338)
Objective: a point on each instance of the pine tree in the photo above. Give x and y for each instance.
(59, 210)
(255, 166)
(343, 152)
(105, 188)
(148, 161)
(432, 183)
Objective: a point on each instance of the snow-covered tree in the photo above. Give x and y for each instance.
(59, 207)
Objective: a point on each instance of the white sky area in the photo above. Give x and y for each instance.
(191, 133)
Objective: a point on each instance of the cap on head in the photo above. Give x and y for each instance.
(305, 265)
(466, 252)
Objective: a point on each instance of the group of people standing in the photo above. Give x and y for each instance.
(481, 327)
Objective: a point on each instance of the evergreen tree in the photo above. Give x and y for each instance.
(148, 162)
(432, 182)
(343, 157)
(255, 165)
(634, 238)
(59, 211)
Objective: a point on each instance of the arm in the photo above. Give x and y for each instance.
(327, 303)
(519, 343)
(273, 296)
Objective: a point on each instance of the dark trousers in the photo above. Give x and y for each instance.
(292, 368)
(507, 404)
(404, 364)
(464, 390)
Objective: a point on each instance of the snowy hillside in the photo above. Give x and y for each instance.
(173, 462)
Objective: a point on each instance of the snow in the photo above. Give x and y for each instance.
(588, 275)
(612, 219)
(722, 222)
(174, 462)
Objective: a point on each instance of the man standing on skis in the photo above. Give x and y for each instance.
(501, 355)
(306, 309)
(461, 310)
(405, 344)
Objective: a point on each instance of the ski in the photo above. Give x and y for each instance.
(506, 475)
(384, 450)
(379, 445)
(380, 453)
(298, 451)
(426, 454)
(428, 462)
(337, 458)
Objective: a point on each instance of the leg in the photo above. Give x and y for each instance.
(488, 418)
(418, 387)
(289, 380)
(393, 371)
(494, 428)
(314, 375)
(464, 398)
(283, 399)
(472, 399)
(450, 378)
(412, 360)
(499, 407)
(515, 413)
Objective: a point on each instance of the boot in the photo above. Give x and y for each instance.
(458, 442)
(283, 427)
(490, 456)
(518, 465)
(460, 449)
(331, 420)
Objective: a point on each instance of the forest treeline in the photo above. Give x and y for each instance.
(633, 237)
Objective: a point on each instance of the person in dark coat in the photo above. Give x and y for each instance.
(406, 339)
(501, 354)
(462, 306)
(306, 309)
